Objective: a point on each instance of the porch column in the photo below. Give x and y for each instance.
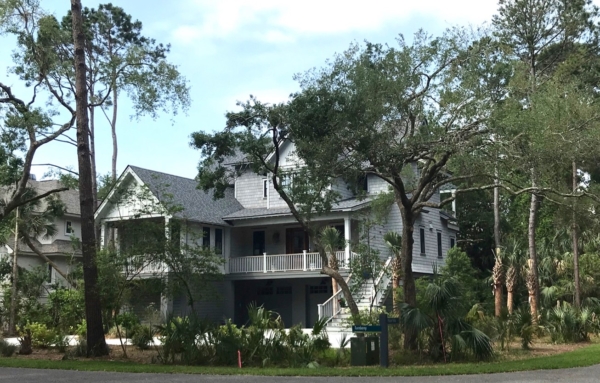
(166, 306)
(102, 234)
(347, 240)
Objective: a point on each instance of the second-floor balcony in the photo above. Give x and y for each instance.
(272, 263)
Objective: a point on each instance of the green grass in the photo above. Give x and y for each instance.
(579, 358)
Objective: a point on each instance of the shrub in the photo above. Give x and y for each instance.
(41, 336)
(567, 325)
(66, 308)
(522, 326)
(81, 329)
(142, 337)
(7, 349)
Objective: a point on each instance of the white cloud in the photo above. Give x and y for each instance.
(282, 21)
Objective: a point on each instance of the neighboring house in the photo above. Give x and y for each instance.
(59, 248)
(269, 259)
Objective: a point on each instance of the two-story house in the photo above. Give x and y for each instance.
(60, 248)
(268, 258)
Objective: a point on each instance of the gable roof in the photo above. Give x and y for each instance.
(197, 205)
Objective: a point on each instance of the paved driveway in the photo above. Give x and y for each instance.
(18, 375)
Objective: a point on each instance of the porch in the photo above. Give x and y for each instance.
(268, 263)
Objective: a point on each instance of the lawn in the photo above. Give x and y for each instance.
(585, 356)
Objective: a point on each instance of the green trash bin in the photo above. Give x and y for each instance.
(364, 351)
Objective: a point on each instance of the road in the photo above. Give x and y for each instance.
(22, 375)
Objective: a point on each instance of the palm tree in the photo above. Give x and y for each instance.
(498, 278)
(394, 241)
(514, 258)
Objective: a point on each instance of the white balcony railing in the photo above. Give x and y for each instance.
(266, 263)
(146, 269)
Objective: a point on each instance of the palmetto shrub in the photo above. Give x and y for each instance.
(439, 320)
(565, 324)
(263, 342)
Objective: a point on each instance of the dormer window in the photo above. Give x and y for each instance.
(69, 228)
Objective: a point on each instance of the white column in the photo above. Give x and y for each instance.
(264, 262)
(166, 306)
(347, 240)
(304, 260)
(102, 234)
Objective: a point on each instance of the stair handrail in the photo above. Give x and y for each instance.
(377, 293)
(330, 308)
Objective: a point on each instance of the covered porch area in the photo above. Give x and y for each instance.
(281, 245)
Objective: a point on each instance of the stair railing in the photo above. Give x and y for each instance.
(379, 289)
(331, 307)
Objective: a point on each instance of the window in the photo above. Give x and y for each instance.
(286, 181)
(206, 236)
(265, 188)
(439, 243)
(284, 290)
(452, 242)
(69, 228)
(50, 277)
(422, 239)
(268, 290)
(258, 242)
(218, 241)
(319, 289)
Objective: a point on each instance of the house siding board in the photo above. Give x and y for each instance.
(376, 184)
(341, 187)
(249, 190)
(420, 264)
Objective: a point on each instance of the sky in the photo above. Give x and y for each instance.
(230, 49)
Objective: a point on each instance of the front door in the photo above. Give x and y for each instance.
(296, 241)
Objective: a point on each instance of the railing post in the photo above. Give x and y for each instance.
(347, 229)
(304, 260)
(264, 262)
(320, 310)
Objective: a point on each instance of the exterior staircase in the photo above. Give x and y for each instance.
(339, 318)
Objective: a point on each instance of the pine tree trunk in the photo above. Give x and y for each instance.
(498, 271)
(12, 319)
(96, 344)
(113, 129)
(575, 244)
(532, 284)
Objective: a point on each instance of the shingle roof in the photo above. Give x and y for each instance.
(197, 205)
(348, 204)
(69, 197)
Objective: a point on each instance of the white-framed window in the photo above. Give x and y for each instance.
(422, 240)
(50, 277)
(69, 228)
(265, 188)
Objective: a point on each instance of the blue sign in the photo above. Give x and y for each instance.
(361, 328)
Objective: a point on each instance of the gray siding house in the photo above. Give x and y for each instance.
(59, 248)
(268, 258)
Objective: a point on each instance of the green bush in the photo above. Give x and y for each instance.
(568, 325)
(7, 349)
(41, 335)
(81, 329)
(66, 308)
(264, 342)
(142, 337)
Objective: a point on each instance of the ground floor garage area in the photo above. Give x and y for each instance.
(295, 300)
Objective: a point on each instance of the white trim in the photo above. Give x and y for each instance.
(67, 225)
